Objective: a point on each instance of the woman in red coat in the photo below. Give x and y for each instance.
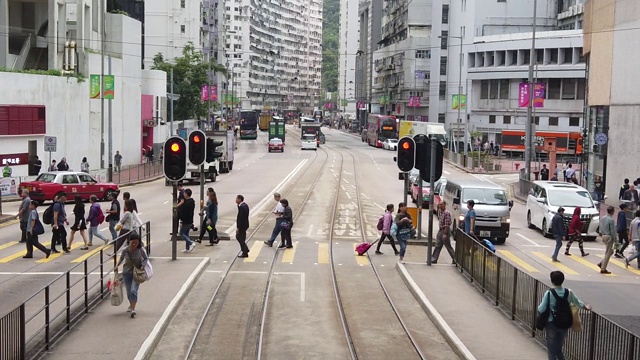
(575, 232)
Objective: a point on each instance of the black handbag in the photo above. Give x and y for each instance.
(543, 317)
(38, 229)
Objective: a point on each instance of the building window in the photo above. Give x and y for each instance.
(95, 13)
(574, 121)
(441, 118)
(506, 119)
(445, 14)
(423, 54)
(182, 28)
(504, 89)
(472, 60)
(582, 89)
(183, 3)
(444, 39)
(443, 90)
(536, 120)
(568, 89)
(492, 119)
(525, 57)
(553, 56)
(568, 56)
(540, 56)
(554, 89)
(484, 89)
(553, 121)
(443, 65)
(493, 89)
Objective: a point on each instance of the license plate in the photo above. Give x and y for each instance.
(485, 233)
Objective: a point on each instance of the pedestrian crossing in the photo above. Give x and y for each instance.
(76, 255)
(258, 252)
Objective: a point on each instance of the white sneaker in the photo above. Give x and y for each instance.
(193, 246)
(129, 309)
(185, 251)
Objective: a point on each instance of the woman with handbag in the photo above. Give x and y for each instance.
(135, 258)
(405, 227)
(128, 222)
(34, 228)
(285, 225)
(210, 219)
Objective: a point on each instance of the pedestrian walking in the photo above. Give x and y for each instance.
(242, 225)
(32, 236)
(405, 225)
(23, 214)
(59, 220)
(443, 238)
(470, 219)
(634, 235)
(62, 165)
(113, 215)
(133, 256)
(623, 232)
(84, 165)
(279, 210)
(210, 218)
(117, 159)
(129, 223)
(185, 215)
(79, 224)
(95, 218)
(286, 225)
(598, 188)
(557, 229)
(387, 221)
(557, 303)
(571, 174)
(623, 189)
(575, 232)
(608, 234)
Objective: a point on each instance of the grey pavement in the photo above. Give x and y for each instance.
(108, 332)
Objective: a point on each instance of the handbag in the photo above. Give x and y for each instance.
(115, 285)
(38, 229)
(139, 275)
(394, 229)
(286, 225)
(577, 322)
(543, 317)
(148, 269)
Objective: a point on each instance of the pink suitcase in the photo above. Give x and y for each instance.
(363, 247)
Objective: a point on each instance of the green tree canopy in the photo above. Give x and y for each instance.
(330, 44)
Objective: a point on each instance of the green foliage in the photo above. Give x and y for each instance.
(52, 72)
(120, 12)
(330, 44)
(189, 74)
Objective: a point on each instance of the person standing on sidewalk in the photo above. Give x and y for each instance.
(278, 213)
(575, 232)
(32, 239)
(470, 219)
(444, 233)
(113, 215)
(59, 220)
(598, 188)
(387, 221)
(117, 159)
(242, 225)
(24, 213)
(133, 256)
(94, 219)
(185, 215)
(634, 235)
(544, 173)
(623, 189)
(608, 232)
(405, 224)
(623, 232)
(79, 224)
(84, 165)
(556, 335)
(557, 229)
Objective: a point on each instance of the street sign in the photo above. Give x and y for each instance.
(50, 144)
(601, 138)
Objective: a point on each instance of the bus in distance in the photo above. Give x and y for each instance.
(380, 128)
(249, 124)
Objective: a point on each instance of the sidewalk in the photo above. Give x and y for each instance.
(109, 333)
(472, 325)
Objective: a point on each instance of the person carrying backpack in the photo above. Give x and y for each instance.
(95, 218)
(387, 221)
(557, 302)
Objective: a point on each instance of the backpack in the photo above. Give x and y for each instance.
(562, 316)
(100, 217)
(380, 225)
(47, 217)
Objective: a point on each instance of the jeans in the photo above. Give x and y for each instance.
(276, 231)
(93, 230)
(441, 241)
(112, 229)
(184, 232)
(555, 341)
(635, 256)
(558, 246)
(131, 286)
(403, 245)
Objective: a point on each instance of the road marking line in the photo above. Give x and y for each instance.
(558, 265)
(446, 172)
(529, 240)
(10, 222)
(19, 254)
(323, 253)
(254, 252)
(288, 255)
(349, 196)
(361, 260)
(9, 244)
(91, 253)
(247, 272)
(621, 264)
(310, 230)
(523, 264)
(588, 264)
(302, 281)
(55, 256)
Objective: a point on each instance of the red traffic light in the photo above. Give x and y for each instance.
(175, 147)
(406, 145)
(196, 139)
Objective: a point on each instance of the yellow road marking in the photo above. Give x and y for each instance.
(20, 254)
(588, 264)
(288, 255)
(9, 244)
(10, 222)
(621, 264)
(361, 260)
(91, 253)
(323, 253)
(61, 253)
(558, 265)
(523, 264)
(254, 252)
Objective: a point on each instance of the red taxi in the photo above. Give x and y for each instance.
(49, 184)
(276, 144)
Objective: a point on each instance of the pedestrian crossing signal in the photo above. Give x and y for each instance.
(212, 154)
(197, 148)
(174, 162)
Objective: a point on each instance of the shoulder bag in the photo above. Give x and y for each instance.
(543, 317)
(38, 228)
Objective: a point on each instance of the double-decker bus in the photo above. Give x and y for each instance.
(249, 124)
(569, 143)
(380, 128)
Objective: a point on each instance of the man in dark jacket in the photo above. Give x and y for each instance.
(558, 231)
(623, 189)
(185, 215)
(242, 224)
(621, 228)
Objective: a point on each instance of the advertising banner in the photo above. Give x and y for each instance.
(109, 87)
(213, 93)
(94, 87)
(538, 95)
(459, 100)
(9, 186)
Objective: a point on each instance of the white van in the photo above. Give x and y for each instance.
(545, 197)
(309, 142)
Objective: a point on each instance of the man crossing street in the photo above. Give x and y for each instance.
(278, 213)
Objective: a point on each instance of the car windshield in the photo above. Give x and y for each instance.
(485, 196)
(309, 137)
(570, 198)
(276, 141)
(393, 141)
(46, 178)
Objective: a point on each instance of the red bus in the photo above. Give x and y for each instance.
(569, 143)
(380, 128)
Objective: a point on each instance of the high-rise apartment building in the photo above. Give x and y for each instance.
(349, 40)
(370, 33)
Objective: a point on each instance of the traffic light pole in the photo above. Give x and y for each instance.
(420, 208)
(174, 223)
(432, 180)
(406, 185)
(202, 193)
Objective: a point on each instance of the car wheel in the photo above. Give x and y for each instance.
(545, 229)
(501, 241)
(212, 176)
(108, 193)
(529, 224)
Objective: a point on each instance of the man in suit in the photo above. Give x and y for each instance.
(242, 224)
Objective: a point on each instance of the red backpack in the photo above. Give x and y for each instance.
(100, 217)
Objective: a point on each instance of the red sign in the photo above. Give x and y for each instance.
(14, 159)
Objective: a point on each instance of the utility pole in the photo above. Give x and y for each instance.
(171, 104)
(110, 153)
(530, 128)
(102, 51)
(466, 122)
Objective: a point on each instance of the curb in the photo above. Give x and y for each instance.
(456, 344)
(7, 218)
(146, 350)
(478, 172)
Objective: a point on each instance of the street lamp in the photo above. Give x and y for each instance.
(530, 126)
(466, 127)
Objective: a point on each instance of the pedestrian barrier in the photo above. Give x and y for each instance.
(47, 315)
(518, 295)
(131, 173)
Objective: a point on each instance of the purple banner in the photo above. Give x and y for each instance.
(538, 95)
(213, 93)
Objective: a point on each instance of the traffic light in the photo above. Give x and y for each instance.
(406, 154)
(424, 157)
(174, 163)
(212, 154)
(197, 147)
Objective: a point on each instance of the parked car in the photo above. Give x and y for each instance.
(426, 191)
(276, 144)
(49, 184)
(390, 144)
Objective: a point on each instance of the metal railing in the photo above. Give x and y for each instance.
(47, 315)
(130, 173)
(518, 294)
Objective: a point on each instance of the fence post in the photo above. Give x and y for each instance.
(632, 345)
(484, 269)
(498, 267)
(534, 308)
(23, 332)
(513, 298)
(472, 256)
(592, 336)
(101, 275)
(46, 317)
(86, 287)
(148, 236)
(68, 310)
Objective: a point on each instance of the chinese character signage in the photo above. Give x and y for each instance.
(328, 105)
(385, 99)
(538, 95)
(459, 100)
(414, 101)
(211, 90)
(94, 87)
(109, 87)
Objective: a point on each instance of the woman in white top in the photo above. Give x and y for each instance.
(128, 222)
(634, 236)
(84, 165)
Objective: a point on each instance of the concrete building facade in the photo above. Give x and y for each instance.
(349, 46)
(370, 33)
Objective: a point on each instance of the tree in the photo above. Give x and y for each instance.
(330, 44)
